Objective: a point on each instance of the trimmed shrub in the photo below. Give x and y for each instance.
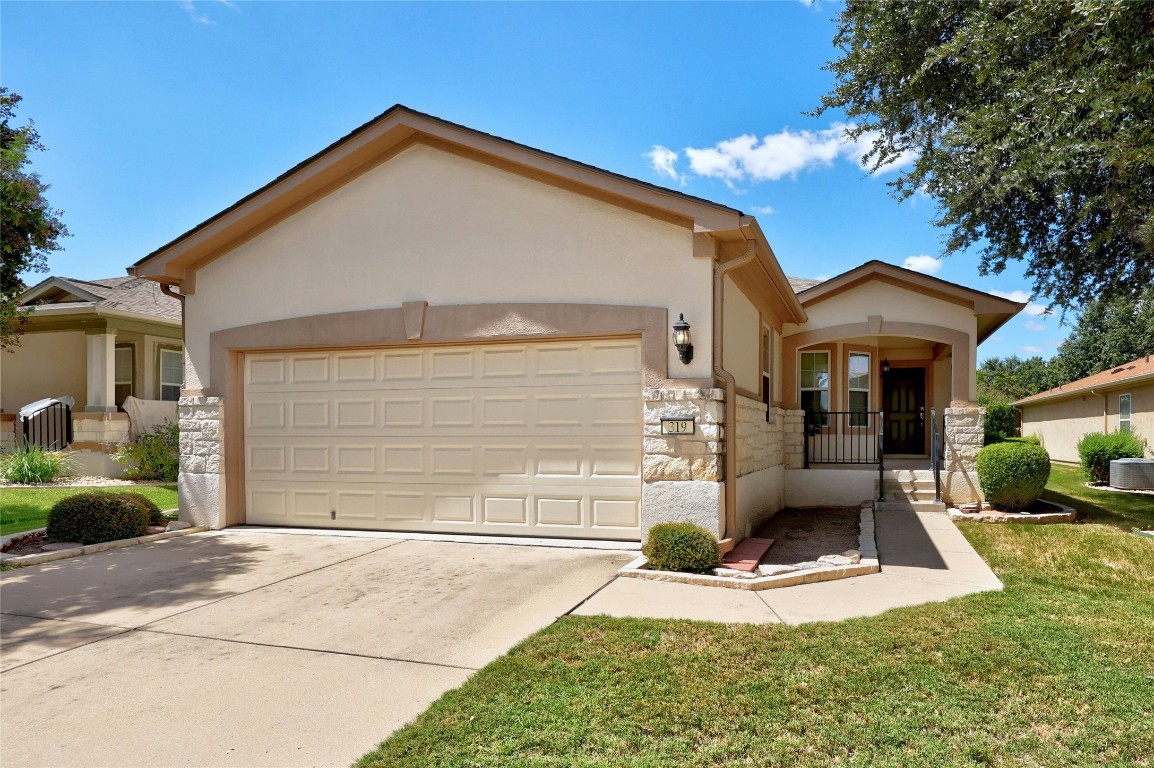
(30, 464)
(93, 517)
(139, 500)
(1097, 450)
(681, 547)
(1012, 474)
(1000, 422)
(154, 455)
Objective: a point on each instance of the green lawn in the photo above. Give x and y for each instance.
(1056, 670)
(24, 509)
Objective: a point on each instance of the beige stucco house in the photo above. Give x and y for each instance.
(1120, 399)
(98, 342)
(427, 328)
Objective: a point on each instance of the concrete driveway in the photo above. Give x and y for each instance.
(242, 648)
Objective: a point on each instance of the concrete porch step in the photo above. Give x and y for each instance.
(911, 485)
(910, 506)
(899, 496)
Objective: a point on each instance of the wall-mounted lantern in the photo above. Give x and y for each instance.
(682, 340)
(885, 366)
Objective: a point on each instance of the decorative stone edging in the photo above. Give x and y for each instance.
(867, 547)
(47, 557)
(1064, 514)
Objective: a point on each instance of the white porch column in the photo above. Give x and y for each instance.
(101, 370)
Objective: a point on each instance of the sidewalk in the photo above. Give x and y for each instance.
(924, 558)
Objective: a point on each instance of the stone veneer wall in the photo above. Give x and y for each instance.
(964, 434)
(793, 427)
(760, 443)
(201, 461)
(682, 475)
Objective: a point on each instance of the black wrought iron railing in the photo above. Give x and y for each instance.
(843, 437)
(936, 453)
(49, 428)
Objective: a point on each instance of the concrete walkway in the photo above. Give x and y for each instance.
(260, 649)
(924, 558)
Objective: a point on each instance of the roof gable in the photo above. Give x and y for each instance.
(126, 294)
(381, 138)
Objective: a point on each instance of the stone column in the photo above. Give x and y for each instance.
(201, 461)
(101, 371)
(964, 434)
(683, 475)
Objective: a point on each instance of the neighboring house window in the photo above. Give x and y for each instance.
(1124, 413)
(859, 389)
(125, 362)
(171, 373)
(815, 385)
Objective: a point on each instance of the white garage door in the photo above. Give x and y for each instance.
(533, 439)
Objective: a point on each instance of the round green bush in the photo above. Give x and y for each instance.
(1012, 474)
(1097, 450)
(155, 516)
(681, 547)
(93, 517)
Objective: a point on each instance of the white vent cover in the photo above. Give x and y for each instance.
(1132, 474)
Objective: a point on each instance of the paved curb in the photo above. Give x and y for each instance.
(867, 546)
(48, 557)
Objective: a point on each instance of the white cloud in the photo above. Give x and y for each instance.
(928, 265)
(200, 17)
(1034, 325)
(1030, 350)
(663, 161)
(194, 14)
(764, 210)
(785, 153)
(1032, 309)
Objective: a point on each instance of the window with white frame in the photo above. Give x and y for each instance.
(171, 373)
(1124, 413)
(859, 389)
(815, 385)
(124, 363)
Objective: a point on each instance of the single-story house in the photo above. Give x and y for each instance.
(428, 328)
(1117, 400)
(98, 342)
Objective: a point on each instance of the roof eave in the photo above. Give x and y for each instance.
(362, 148)
(1045, 398)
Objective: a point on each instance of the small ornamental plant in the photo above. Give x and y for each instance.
(29, 464)
(94, 517)
(683, 547)
(1097, 450)
(154, 455)
(1012, 474)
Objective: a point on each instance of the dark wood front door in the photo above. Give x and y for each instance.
(904, 395)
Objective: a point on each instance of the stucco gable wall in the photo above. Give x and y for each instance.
(434, 226)
(1061, 423)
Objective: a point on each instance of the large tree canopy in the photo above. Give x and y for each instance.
(1033, 126)
(29, 227)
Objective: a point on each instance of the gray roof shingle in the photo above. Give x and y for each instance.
(131, 294)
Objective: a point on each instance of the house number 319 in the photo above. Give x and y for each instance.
(677, 426)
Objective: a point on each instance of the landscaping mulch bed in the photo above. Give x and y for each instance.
(35, 543)
(86, 481)
(803, 535)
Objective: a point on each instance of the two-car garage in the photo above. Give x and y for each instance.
(515, 439)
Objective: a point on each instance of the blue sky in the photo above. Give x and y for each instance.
(158, 114)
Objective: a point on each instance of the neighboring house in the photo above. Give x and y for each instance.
(428, 328)
(99, 342)
(1120, 399)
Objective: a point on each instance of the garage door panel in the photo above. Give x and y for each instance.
(536, 439)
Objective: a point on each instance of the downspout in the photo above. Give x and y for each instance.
(729, 535)
(1105, 412)
(166, 289)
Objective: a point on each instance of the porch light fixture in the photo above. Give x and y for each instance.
(682, 340)
(885, 366)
